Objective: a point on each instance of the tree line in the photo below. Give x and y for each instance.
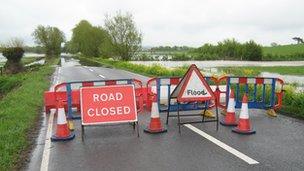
(228, 49)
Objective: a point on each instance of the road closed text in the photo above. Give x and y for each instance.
(108, 103)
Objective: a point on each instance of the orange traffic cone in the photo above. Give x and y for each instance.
(155, 125)
(243, 126)
(62, 132)
(230, 113)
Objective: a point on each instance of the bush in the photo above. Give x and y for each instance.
(13, 56)
(252, 51)
(293, 103)
(13, 53)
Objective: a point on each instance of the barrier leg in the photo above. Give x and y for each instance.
(178, 118)
(169, 105)
(271, 112)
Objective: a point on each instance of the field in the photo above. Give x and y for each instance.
(284, 49)
(254, 71)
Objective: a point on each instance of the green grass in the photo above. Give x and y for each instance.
(284, 49)
(7, 83)
(19, 114)
(255, 71)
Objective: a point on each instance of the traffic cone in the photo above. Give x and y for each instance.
(244, 126)
(229, 119)
(155, 125)
(62, 132)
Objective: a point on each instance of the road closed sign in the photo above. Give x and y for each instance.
(108, 104)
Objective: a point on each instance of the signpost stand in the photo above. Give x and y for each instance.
(192, 89)
(108, 105)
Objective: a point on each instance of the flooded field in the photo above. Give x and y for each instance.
(3, 59)
(220, 63)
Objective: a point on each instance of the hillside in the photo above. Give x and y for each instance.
(284, 49)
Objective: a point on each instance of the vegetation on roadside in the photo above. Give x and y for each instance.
(19, 112)
(293, 103)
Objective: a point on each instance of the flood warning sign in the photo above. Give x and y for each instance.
(193, 87)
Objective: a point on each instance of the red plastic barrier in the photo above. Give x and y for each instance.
(50, 101)
(149, 93)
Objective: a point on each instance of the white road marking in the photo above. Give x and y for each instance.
(91, 69)
(47, 143)
(223, 145)
(47, 146)
(101, 76)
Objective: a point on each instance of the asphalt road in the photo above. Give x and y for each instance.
(277, 145)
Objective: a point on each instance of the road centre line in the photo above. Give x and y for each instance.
(101, 76)
(222, 145)
(91, 69)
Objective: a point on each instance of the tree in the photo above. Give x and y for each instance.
(298, 40)
(274, 44)
(50, 38)
(252, 51)
(87, 39)
(13, 51)
(125, 38)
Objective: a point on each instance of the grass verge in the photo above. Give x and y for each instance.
(19, 114)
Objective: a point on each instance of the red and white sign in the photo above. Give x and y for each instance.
(108, 104)
(193, 87)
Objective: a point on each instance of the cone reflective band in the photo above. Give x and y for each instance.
(229, 119)
(108, 104)
(244, 126)
(62, 130)
(155, 125)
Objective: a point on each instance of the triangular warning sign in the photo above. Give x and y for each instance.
(193, 87)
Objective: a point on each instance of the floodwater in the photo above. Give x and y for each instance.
(3, 59)
(220, 63)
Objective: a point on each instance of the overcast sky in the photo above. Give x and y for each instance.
(164, 22)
